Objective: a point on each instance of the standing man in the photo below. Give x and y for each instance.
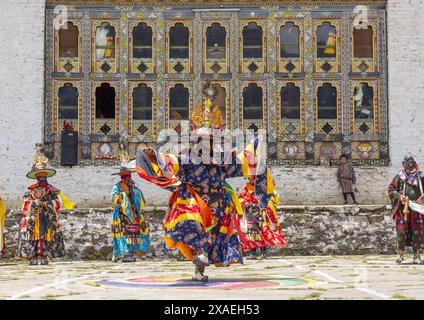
(130, 232)
(406, 195)
(41, 234)
(346, 177)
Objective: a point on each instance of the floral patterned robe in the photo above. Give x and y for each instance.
(410, 232)
(40, 227)
(202, 206)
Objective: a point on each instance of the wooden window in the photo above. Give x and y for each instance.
(105, 102)
(68, 41)
(289, 41)
(179, 36)
(252, 102)
(290, 102)
(252, 41)
(327, 102)
(142, 41)
(179, 102)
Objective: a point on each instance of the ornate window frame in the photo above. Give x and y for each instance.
(223, 63)
(374, 125)
(57, 84)
(298, 63)
(364, 65)
(170, 84)
(61, 62)
(245, 124)
(114, 124)
(132, 124)
(186, 63)
(335, 123)
(134, 63)
(334, 63)
(96, 65)
(300, 125)
(244, 63)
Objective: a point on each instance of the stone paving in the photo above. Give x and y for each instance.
(288, 278)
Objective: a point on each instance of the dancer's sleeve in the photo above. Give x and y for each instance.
(159, 168)
(114, 195)
(251, 163)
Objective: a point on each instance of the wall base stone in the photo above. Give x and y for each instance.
(310, 230)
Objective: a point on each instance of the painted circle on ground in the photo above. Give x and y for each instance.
(242, 282)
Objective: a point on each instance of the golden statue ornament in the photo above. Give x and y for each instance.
(206, 116)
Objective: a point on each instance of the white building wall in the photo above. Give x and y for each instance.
(21, 91)
(21, 120)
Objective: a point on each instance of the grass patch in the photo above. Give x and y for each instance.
(312, 295)
(399, 296)
(93, 284)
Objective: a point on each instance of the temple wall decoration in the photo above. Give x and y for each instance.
(313, 78)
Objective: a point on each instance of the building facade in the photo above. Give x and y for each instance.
(321, 77)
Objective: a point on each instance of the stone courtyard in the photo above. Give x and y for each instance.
(366, 277)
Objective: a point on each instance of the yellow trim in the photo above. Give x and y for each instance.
(67, 204)
(186, 216)
(184, 249)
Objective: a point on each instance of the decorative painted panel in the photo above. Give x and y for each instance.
(134, 49)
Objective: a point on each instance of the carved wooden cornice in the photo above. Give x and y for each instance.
(215, 3)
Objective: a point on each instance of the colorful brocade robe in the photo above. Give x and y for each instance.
(130, 232)
(410, 231)
(203, 208)
(40, 228)
(346, 177)
(262, 226)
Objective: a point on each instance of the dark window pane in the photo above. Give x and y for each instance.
(252, 102)
(326, 41)
(327, 102)
(105, 101)
(142, 37)
(290, 102)
(252, 41)
(105, 41)
(179, 41)
(215, 41)
(142, 102)
(289, 40)
(178, 102)
(362, 42)
(363, 96)
(68, 102)
(68, 41)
